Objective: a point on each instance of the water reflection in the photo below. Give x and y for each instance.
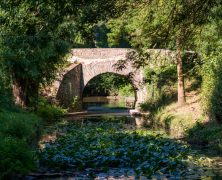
(109, 102)
(96, 113)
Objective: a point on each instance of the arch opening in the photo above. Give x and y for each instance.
(109, 90)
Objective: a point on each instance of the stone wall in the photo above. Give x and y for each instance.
(86, 64)
(70, 89)
(99, 53)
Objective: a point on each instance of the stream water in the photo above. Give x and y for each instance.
(99, 121)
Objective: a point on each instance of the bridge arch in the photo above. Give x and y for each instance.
(85, 64)
(88, 93)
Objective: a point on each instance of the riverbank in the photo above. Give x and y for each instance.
(189, 123)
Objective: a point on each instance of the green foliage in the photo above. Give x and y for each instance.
(207, 135)
(118, 36)
(5, 87)
(173, 121)
(160, 74)
(16, 158)
(101, 35)
(20, 125)
(32, 47)
(157, 23)
(19, 133)
(109, 84)
(163, 99)
(36, 35)
(49, 112)
(161, 86)
(212, 85)
(161, 79)
(210, 47)
(106, 144)
(126, 90)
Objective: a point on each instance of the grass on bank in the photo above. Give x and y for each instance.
(49, 112)
(207, 134)
(189, 121)
(19, 135)
(18, 138)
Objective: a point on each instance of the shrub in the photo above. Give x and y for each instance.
(21, 125)
(16, 158)
(212, 85)
(18, 134)
(49, 112)
(163, 100)
(208, 134)
(126, 90)
(5, 87)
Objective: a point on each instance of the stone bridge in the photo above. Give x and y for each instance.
(85, 64)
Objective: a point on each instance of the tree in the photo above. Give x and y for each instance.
(188, 17)
(165, 24)
(209, 46)
(36, 36)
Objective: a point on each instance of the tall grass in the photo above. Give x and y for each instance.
(18, 137)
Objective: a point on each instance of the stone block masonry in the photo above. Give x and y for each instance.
(87, 63)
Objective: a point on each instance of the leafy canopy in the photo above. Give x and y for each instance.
(36, 35)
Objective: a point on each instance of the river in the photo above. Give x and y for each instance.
(81, 140)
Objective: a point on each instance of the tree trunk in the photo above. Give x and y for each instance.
(181, 90)
(25, 93)
(18, 93)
